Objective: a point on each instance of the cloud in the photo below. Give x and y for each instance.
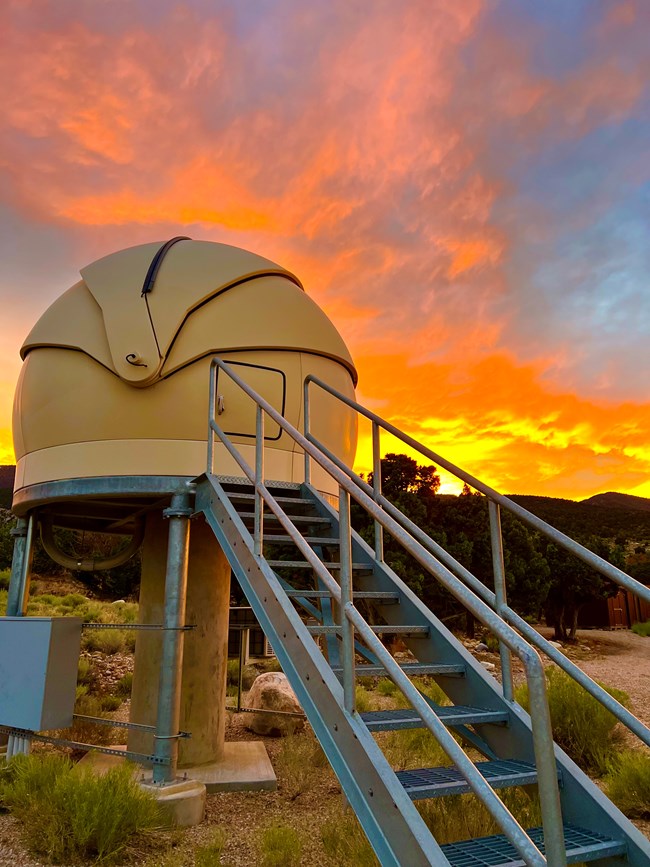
(454, 183)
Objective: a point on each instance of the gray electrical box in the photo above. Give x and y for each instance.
(39, 657)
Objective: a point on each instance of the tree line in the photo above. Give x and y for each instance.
(542, 580)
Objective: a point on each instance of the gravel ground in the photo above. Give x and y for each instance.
(616, 658)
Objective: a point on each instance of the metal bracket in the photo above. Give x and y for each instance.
(127, 626)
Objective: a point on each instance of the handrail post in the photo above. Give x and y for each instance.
(376, 486)
(347, 628)
(259, 480)
(171, 662)
(498, 567)
(214, 372)
(306, 425)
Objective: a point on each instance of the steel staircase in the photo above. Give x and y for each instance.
(295, 554)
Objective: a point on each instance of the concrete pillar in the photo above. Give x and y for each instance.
(203, 694)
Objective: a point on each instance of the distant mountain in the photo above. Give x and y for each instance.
(620, 501)
(7, 475)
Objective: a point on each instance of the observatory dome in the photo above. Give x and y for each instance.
(115, 380)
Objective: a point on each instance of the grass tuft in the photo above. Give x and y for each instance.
(301, 762)
(209, 854)
(345, 843)
(642, 628)
(70, 814)
(581, 725)
(628, 783)
(280, 846)
(125, 685)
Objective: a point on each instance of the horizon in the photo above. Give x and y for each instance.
(463, 191)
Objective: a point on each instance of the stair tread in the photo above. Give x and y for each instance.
(408, 668)
(311, 540)
(305, 564)
(435, 782)
(497, 851)
(389, 720)
(234, 495)
(295, 519)
(386, 595)
(402, 629)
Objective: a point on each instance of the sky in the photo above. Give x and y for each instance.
(463, 187)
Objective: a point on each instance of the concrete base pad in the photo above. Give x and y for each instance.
(182, 801)
(244, 767)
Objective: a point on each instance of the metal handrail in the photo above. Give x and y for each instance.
(541, 725)
(603, 566)
(508, 614)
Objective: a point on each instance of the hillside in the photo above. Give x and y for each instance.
(620, 501)
(7, 474)
(609, 519)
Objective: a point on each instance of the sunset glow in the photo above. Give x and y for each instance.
(463, 187)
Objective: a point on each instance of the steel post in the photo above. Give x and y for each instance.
(21, 567)
(169, 688)
(259, 480)
(305, 427)
(501, 602)
(376, 486)
(347, 628)
(18, 596)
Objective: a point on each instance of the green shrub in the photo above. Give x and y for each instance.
(413, 748)
(209, 854)
(628, 783)
(232, 673)
(85, 671)
(642, 628)
(5, 577)
(108, 641)
(345, 843)
(110, 703)
(280, 846)
(463, 817)
(72, 600)
(125, 684)
(386, 686)
(69, 814)
(84, 731)
(364, 700)
(300, 763)
(581, 725)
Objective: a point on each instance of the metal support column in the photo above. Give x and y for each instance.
(18, 596)
(21, 567)
(376, 487)
(169, 689)
(347, 629)
(500, 594)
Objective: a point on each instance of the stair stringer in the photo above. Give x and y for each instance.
(391, 822)
(583, 803)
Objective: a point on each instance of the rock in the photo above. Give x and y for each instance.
(119, 602)
(272, 691)
(489, 666)
(481, 648)
(556, 645)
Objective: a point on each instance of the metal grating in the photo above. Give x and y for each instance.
(581, 845)
(402, 718)
(434, 782)
(411, 668)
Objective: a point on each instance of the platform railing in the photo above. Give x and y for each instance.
(496, 599)
(352, 620)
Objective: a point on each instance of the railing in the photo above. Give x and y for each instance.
(351, 619)
(495, 599)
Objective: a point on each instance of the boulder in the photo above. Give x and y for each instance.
(272, 692)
